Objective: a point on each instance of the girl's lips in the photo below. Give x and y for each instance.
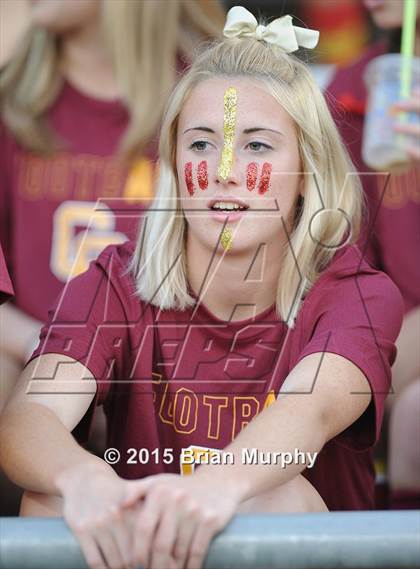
(230, 217)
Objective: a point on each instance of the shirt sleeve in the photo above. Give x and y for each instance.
(88, 323)
(358, 317)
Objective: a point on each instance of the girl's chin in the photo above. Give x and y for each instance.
(226, 243)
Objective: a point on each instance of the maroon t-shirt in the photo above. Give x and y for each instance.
(171, 379)
(391, 233)
(6, 289)
(51, 225)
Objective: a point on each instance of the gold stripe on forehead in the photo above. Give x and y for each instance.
(229, 123)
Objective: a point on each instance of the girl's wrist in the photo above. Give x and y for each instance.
(231, 480)
(80, 472)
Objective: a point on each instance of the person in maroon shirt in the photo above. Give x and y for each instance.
(243, 329)
(6, 288)
(78, 146)
(391, 242)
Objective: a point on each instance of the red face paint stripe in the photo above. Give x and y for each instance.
(203, 180)
(251, 176)
(265, 178)
(188, 178)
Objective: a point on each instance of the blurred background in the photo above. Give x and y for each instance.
(345, 25)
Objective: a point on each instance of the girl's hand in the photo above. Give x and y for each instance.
(93, 498)
(413, 130)
(179, 518)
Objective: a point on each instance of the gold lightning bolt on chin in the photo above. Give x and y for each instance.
(229, 123)
(226, 239)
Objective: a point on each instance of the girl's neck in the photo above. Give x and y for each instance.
(86, 63)
(237, 287)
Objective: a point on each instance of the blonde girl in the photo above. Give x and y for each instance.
(241, 349)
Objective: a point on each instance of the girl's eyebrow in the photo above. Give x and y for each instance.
(259, 128)
(202, 128)
(246, 131)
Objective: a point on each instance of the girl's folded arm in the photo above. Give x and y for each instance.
(323, 395)
(52, 395)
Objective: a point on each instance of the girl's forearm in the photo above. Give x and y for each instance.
(277, 429)
(316, 403)
(37, 450)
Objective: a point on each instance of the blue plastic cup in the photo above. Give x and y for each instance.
(383, 148)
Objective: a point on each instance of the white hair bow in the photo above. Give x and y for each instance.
(281, 32)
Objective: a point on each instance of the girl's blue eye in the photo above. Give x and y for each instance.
(259, 146)
(199, 145)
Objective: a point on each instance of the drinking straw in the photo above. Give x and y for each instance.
(407, 46)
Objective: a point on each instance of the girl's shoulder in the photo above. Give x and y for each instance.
(115, 263)
(348, 283)
(120, 254)
(104, 293)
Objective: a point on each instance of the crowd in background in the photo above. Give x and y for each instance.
(345, 26)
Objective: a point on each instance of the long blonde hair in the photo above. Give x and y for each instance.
(159, 262)
(143, 39)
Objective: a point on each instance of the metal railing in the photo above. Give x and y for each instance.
(349, 540)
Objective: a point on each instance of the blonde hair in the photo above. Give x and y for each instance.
(143, 39)
(317, 231)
